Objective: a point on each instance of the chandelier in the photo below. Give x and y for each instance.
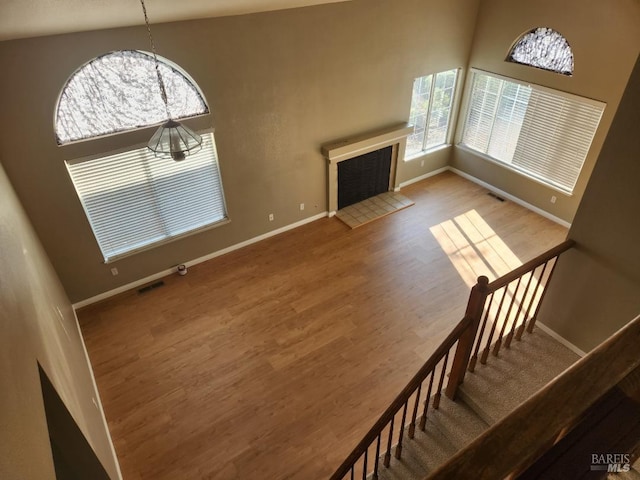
(172, 139)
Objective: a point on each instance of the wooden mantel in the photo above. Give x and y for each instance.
(335, 152)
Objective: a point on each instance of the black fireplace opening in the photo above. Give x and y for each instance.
(363, 177)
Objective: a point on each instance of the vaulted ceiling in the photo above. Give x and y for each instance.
(33, 18)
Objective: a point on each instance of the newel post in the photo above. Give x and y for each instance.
(475, 307)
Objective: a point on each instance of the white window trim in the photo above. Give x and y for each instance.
(164, 62)
(469, 85)
(431, 150)
(464, 110)
(451, 126)
(159, 243)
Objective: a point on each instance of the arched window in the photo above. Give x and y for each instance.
(543, 48)
(119, 91)
(134, 199)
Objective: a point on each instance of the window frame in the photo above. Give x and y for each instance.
(169, 239)
(450, 122)
(164, 62)
(464, 112)
(538, 62)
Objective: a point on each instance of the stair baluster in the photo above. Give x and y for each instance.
(514, 326)
(412, 425)
(466, 338)
(401, 434)
(423, 420)
(387, 456)
(474, 358)
(544, 291)
(436, 397)
(505, 322)
(364, 466)
(496, 319)
(376, 464)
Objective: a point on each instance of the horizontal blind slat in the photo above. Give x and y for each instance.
(133, 199)
(547, 136)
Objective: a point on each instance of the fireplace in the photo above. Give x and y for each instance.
(371, 163)
(364, 176)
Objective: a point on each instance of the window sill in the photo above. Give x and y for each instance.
(424, 153)
(164, 241)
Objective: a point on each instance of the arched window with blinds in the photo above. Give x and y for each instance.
(133, 200)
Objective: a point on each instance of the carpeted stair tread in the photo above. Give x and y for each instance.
(448, 429)
(420, 456)
(487, 395)
(497, 388)
(457, 421)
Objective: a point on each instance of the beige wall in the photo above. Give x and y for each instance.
(37, 324)
(605, 39)
(279, 85)
(596, 287)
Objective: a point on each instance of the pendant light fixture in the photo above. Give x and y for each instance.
(172, 139)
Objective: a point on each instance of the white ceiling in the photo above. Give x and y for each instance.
(32, 18)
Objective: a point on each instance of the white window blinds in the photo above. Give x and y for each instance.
(134, 200)
(533, 130)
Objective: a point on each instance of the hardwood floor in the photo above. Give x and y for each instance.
(271, 362)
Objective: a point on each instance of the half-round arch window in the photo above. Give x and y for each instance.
(543, 48)
(119, 91)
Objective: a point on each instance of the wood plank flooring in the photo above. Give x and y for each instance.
(271, 362)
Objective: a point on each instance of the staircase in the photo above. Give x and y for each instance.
(487, 395)
(512, 393)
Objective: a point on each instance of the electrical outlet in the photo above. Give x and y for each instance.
(271, 217)
(553, 199)
(302, 206)
(422, 163)
(114, 271)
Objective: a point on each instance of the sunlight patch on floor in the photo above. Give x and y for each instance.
(474, 248)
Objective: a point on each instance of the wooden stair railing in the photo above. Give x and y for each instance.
(504, 309)
(523, 305)
(516, 441)
(390, 426)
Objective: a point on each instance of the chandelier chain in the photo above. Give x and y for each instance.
(163, 91)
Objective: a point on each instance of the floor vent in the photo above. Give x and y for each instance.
(491, 194)
(150, 287)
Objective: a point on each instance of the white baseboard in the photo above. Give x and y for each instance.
(164, 273)
(423, 177)
(514, 199)
(560, 339)
(97, 401)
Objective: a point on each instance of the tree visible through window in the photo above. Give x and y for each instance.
(430, 114)
(543, 48)
(132, 199)
(118, 92)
